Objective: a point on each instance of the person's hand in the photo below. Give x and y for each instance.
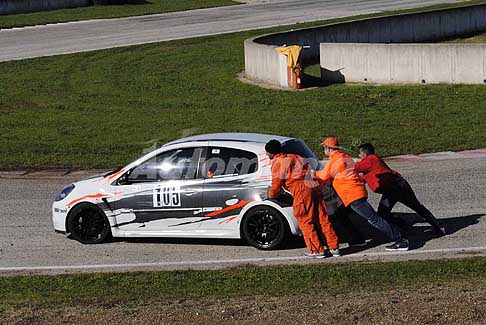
(312, 174)
(263, 195)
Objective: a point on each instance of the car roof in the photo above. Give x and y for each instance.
(237, 137)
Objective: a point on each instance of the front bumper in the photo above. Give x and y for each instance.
(59, 214)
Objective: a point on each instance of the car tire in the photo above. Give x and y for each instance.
(265, 228)
(88, 224)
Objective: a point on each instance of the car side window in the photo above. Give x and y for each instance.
(222, 161)
(176, 164)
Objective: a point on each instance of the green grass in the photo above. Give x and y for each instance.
(114, 11)
(138, 288)
(103, 108)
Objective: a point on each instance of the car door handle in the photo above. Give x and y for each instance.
(189, 193)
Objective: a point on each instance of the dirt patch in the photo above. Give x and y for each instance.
(431, 305)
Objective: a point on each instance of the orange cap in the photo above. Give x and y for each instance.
(330, 142)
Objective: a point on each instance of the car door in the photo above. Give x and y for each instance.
(163, 194)
(229, 174)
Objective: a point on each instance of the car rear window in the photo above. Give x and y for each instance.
(298, 147)
(221, 161)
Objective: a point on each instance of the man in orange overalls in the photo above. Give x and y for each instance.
(289, 171)
(352, 191)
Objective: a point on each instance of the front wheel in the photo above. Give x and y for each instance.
(88, 224)
(265, 228)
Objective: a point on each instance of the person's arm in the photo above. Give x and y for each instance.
(324, 175)
(364, 166)
(278, 178)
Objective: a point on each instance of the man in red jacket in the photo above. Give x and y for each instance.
(384, 180)
(289, 171)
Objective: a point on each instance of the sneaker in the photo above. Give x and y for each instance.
(401, 245)
(335, 252)
(315, 255)
(441, 231)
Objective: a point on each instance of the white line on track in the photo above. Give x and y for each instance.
(232, 261)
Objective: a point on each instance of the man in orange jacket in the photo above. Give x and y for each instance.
(352, 191)
(289, 171)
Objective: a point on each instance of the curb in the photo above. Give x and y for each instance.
(445, 155)
(80, 174)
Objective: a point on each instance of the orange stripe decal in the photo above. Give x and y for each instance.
(265, 177)
(115, 174)
(228, 220)
(109, 177)
(92, 196)
(231, 207)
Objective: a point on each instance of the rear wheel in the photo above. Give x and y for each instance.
(265, 228)
(88, 224)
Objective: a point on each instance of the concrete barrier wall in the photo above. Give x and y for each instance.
(262, 63)
(407, 28)
(8, 7)
(404, 63)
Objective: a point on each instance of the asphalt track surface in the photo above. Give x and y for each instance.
(54, 39)
(453, 189)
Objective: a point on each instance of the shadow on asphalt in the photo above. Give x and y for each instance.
(183, 241)
(294, 242)
(421, 234)
(417, 234)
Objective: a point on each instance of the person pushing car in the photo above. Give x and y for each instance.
(393, 187)
(289, 171)
(352, 191)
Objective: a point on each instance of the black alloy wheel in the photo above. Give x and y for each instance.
(265, 228)
(88, 224)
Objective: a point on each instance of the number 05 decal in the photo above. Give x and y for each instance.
(169, 196)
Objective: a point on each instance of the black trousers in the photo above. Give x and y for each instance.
(401, 191)
(345, 229)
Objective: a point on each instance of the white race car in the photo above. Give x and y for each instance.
(206, 186)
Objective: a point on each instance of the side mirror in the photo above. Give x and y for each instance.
(123, 180)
